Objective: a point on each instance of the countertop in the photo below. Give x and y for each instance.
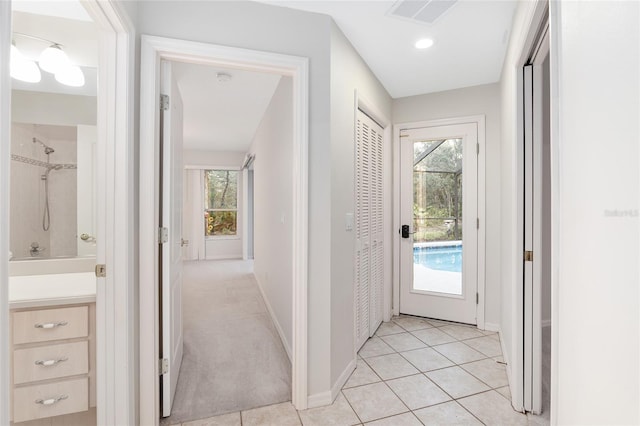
(31, 291)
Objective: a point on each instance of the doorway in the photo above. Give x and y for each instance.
(155, 49)
(115, 291)
(537, 227)
(441, 210)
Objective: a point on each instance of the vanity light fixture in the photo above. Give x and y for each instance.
(52, 60)
(424, 43)
(22, 68)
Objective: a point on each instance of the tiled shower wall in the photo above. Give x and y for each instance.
(28, 191)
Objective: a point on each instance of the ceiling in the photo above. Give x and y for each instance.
(222, 116)
(470, 41)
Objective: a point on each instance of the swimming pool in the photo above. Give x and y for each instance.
(441, 257)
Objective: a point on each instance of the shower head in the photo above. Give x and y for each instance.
(47, 149)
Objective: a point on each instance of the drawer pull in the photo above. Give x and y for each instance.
(51, 401)
(51, 362)
(51, 324)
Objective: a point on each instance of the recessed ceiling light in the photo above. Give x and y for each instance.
(424, 43)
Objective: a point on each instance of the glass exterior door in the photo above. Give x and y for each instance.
(438, 251)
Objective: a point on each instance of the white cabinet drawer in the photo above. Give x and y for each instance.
(50, 324)
(50, 362)
(53, 399)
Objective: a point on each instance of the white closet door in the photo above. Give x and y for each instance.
(369, 227)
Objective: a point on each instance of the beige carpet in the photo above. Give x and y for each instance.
(233, 357)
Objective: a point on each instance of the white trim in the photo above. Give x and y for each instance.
(489, 326)
(328, 397)
(208, 167)
(223, 257)
(5, 155)
(152, 50)
(245, 216)
(555, 64)
(479, 120)
(320, 399)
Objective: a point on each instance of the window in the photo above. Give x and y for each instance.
(221, 202)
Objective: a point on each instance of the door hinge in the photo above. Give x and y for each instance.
(528, 256)
(477, 148)
(163, 235)
(477, 223)
(101, 270)
(163, 366)
(477, 298)
(164, 102)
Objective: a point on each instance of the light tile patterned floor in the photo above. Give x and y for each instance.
(412, 372)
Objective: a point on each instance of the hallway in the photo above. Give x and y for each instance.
(233, 357)
(412, 372)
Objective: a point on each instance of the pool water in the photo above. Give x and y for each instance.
(447, 258)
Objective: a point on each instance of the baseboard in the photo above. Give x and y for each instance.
(327, 398)
(506, 361)
(546, 323)
(223, 257)
(319, 399)
(339, 384)
(275, 320)
(489, 326)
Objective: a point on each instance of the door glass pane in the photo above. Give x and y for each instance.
(437, 216)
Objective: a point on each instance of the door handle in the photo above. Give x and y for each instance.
(184, 242)
(404, 231)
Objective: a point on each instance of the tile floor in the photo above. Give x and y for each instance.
(412, 372)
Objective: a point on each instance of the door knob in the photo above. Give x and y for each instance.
(405, 231)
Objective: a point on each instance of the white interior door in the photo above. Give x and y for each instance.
(171, 250)
(534, 134)
(439, 218)
(369, 222)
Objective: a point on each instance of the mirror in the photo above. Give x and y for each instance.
(53, 140)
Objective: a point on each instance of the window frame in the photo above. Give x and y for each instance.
(237, 170)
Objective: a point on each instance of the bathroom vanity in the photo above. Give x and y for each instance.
(53, 350)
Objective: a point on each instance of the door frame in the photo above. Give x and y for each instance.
(479, 121)
(153, 49)
(115, 338)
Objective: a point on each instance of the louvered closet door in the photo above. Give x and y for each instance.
(369, 227)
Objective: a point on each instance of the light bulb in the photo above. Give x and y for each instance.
(23, 69)
(70, 76)
(53, 59)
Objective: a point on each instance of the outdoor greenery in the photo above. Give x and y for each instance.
(221, 202)
(437, 190)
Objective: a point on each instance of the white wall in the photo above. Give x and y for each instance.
(348, 74)
(274, 29)
(53, 108)
(273, 203)
(595, 134)
(194, 158)
(476, 100)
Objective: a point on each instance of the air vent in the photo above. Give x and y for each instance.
(421, 11)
